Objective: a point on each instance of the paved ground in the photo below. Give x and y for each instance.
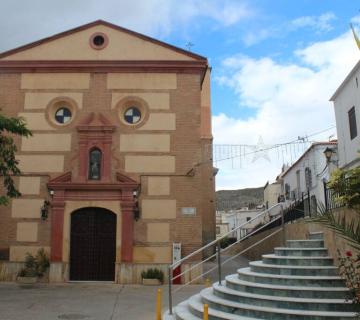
(92, 301)
(77, 301)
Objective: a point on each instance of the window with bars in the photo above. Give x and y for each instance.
(308, 178)
(352, 123)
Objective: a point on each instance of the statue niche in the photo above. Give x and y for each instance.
(95, 156)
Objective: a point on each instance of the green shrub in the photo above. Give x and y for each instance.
(153, 273)
(35, 266)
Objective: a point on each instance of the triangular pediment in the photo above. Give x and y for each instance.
(66, 177)
(124, 179)
(122, 45)
(95, 121)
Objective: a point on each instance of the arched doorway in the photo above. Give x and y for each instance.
(93, 245)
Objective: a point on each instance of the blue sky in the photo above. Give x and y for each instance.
(274, 63)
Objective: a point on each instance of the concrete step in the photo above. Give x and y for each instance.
(260, 267)
(182, 312)
(318, 235)
(233, 282)
(303, 252)
(271, 301)
(262, 312)
(305, 243)
(297, 260)
(291, 280)
(196, 305)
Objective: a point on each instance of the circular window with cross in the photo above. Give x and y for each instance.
(132, 115)
(63, 115)
(61, 111)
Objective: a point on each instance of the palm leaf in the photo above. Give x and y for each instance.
(348, 230)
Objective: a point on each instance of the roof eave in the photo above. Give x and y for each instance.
(104, 23)
(348, 77)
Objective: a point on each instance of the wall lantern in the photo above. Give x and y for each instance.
(136, 206)
(328, 152)
(44, 210)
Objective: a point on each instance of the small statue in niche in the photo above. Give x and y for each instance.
(95, 164)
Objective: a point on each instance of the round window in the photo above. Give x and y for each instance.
(132, 115)
(98, 40)
(63, 115)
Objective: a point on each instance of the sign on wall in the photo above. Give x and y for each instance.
(176, 252)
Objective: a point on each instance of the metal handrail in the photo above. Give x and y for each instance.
(219, 250)
(175, 264)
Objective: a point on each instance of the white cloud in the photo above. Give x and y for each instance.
(158, 18)
(289, 100)
(319, 24)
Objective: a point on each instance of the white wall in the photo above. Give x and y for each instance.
(348, 97)
(316, 161)
(239, 217)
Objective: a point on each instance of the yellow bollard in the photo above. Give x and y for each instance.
(207, 283)
(158, 305)
(206, 312)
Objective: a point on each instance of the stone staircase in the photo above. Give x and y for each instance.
(298, 281)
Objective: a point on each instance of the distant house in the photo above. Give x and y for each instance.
(272, 192)
(306, 177)
(347, 113)
(227, 221)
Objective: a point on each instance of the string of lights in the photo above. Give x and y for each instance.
(291, 149)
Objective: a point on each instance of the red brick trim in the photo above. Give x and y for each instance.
(65, 189)
(161, 66)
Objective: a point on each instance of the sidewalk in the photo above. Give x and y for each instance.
(88, 301)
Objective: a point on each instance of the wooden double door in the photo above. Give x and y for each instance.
(93, 245)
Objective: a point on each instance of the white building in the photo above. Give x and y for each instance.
(347, 113)
(230, 220)
(306, 177)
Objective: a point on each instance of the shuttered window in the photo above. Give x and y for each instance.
(352, 123)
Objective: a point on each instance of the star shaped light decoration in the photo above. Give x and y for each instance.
(260, 150)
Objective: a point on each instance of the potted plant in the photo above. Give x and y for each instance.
(152, 276)
(34, 268)
(349, 271)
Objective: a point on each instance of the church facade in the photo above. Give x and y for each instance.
(119, 166)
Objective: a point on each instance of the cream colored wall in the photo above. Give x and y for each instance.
(205, 90)
(39, 100)
(27, 231)
(158, 186)
(206, 131)
(158, 232)
(150, 164)
(155, 100)
(26, 208)
(71, 206)
(141, 81)
(55, 81)
(29, 185)
(41, 163)
(47, 142)
(35, 121)
(160, 122)
(271, 194)
(18, 253)
(158, 209)
(122, 46)
(144, 142)
(152, 254)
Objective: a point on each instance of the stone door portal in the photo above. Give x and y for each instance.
(93, 245)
